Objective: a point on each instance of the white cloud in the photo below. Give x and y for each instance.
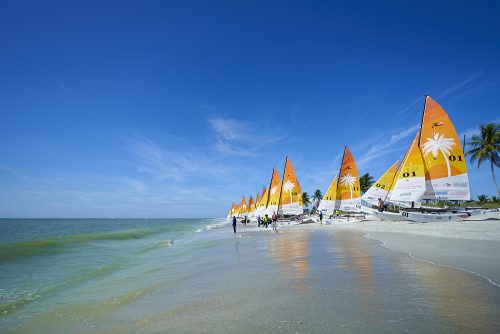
(237, 138)
(162, 163)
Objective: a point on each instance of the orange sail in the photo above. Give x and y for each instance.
(243, 206)
(291, 193)
(446, 171)
(274, 193)
(251, 204)
(348, 193)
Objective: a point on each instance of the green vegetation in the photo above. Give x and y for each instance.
(365, 182)
(485, 147)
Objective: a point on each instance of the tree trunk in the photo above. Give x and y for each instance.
(493, 174)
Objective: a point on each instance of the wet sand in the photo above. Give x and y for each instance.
(468, 245)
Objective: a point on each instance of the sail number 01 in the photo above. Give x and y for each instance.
(454, 158)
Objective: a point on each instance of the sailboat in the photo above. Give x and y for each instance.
(251, 207)
(261, 203)
(344, 191)
(433, 169)
(290, 200)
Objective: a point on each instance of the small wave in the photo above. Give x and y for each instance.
(53, 244)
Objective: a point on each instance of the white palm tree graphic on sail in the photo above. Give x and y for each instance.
(288, 186)
(439, 143)
(348, 180)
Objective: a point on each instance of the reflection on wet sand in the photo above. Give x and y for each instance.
(353, 251)
(291, 251)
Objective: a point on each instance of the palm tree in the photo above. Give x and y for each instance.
(482, 198)
(318, 196)
(439, 144)
(365, 182)
(288, 187)
(305, 199)
(348, 180)
(485, 146)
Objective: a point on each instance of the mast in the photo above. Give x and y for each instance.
(422, 120)
(340, 171)
(281, 188)
(269, 189)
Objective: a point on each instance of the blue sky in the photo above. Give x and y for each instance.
(176, 109)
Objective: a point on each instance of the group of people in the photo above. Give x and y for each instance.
(264, 221)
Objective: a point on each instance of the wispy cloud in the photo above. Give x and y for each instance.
(387, 146)
(12, 171)
(458, 86)
(163, 163)
(238, 138)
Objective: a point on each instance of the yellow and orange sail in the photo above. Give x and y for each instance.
(261, 206)
(327, 205)
(446, 171)
(274, 193)
(243, 206)
(381, 188)
(409, 185)
(348, 190)
(291, 193)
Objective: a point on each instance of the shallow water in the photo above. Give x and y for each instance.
(168, 278)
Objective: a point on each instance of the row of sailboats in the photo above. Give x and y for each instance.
(283, 197)
(433, 168)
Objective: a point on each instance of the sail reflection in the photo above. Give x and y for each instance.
(354, 253)
(291, 251)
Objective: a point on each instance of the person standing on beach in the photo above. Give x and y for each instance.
(266, 220)
(321, 217)
(258, 220)
(275, 220)
(234, 224)
(380, 205)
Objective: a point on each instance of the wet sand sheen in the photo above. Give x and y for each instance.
(323, 281)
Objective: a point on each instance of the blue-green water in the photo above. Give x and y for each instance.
(42, 260)
(196, 276)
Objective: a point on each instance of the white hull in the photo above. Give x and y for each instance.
(483, 214)
(344, 220)
(434, 217)
(389, 216)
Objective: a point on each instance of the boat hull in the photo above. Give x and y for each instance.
(483, 215)
(389, 216)
(434, 217)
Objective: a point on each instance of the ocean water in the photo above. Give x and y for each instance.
(196, 276)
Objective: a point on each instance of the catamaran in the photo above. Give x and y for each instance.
(433, 169)
(344, 191)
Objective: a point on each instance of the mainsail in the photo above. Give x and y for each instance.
(261, 206)
(251, 205)
(274, 193)
(446, 172)
(291, 195)
(243, 207)
(381, 188)
(327, 204)
(348, 193)
(409, 185)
